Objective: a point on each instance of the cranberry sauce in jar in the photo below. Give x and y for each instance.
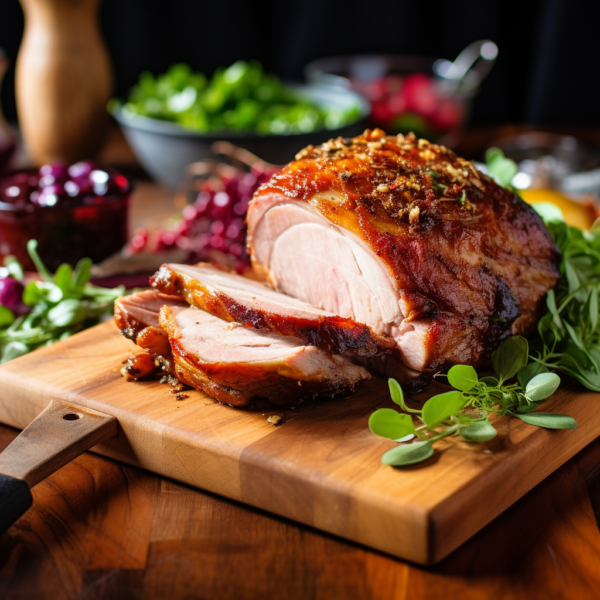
(75, 212)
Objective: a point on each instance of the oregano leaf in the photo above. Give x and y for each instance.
(391, 424)
(548, 420)
(510, 357)
(408, 454)
(462, 377)
(440, 407)
(542, 386)
(480, 431)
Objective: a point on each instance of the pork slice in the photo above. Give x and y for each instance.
(235, 364)
(137, 317)
(140, 310)
(236, 298)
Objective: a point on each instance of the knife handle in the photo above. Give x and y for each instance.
(59, 434)
(15, 499)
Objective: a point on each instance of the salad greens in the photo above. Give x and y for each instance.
(240, 98)
(61, 304)
(465, 410)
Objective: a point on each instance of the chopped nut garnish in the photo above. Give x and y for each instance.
(413, 215)
(383, 188)
(275, 419)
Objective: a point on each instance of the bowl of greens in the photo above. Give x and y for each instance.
(172, 119)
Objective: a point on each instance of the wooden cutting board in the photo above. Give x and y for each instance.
(321, 466)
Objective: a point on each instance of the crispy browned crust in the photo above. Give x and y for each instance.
(335, 334)
(477, 260)
(240, 383)
(148, 337)
(128, 326)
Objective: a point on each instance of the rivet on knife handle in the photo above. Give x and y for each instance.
(59, 434)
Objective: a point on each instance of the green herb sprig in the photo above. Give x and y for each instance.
(568, 338)
(464, 411)
(501, 169)
(61, 304)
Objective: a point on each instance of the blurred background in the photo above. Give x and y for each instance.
(546, 72)
(159, 97)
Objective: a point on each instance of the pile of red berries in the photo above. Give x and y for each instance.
(212, 228)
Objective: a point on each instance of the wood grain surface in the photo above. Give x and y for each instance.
(101, 529)
(321, 467)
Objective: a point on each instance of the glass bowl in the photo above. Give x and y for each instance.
(429, 96)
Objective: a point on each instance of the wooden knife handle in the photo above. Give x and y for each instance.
(59, 434)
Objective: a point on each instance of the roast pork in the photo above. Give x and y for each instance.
(228, 361)
(409, 239)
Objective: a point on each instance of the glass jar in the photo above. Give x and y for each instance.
(92, 223)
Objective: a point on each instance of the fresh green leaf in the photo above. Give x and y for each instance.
(441, 407)
(549, 420)
(408, 454)
(13, 350)
(82, 274)
(527, 408)
(37, 291)
(398, 396)
(63, 278)
(542, 386)
(67, 312)
(529, 371)
(489, 381)
(480, 431)
(37, 261)
(572, 277)
(14, 267)
(7, 317)
(388, 423)
(573, 335)
(462, 377)
(549, 212)
(510, 357)
(593, 309)
(396, 392)
(500, 168)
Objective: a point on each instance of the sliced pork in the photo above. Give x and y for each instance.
(409, 239)
(135, 312)
(137, 318)
(234, 364)
(235, 298)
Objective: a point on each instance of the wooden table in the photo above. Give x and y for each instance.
(100, 529)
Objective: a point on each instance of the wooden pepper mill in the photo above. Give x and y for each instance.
(63, 80)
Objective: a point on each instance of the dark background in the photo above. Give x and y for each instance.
(546, 73)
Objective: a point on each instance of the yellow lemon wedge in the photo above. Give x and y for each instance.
(577, 214)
